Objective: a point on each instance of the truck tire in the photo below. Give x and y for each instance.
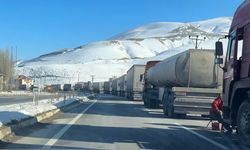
(180, 116)
(151, 103)
(144, 100)
(165, 109)
(164, 105)
(170, 109)
(243, 122)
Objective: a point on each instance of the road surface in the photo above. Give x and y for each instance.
(7, 100)
(114, 123)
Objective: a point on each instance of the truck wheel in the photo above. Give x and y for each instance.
(157, 104)
(181, 116)
(243, 122)
(145, 102)
(170, 109)
(151, 104)
(165, 110)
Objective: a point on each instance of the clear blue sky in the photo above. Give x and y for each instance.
(37, 27)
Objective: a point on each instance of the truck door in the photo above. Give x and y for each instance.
(229, 68)
(233, 64)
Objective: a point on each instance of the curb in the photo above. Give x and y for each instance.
(9, 129)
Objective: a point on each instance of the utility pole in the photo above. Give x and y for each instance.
(92, 78)
(197, 40)
(78, 76)
(92, 86)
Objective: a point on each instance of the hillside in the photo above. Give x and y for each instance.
(113, 57)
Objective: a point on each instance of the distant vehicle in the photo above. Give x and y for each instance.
(22, 87)
(123, 85)
(236, 78)
(108, 86)
(116, 87)
(185, 83)
(56, 87)
(79, 86)
(134, 86)
(98, 87)
(87, 86)
(67, 87)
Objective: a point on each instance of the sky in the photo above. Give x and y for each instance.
(36, 27)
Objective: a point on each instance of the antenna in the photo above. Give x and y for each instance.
(92, 86)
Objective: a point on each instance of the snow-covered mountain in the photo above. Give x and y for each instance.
(113, 57)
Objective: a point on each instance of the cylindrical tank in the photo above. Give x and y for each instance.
(192, 68)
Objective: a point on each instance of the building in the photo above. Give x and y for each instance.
(24, 83)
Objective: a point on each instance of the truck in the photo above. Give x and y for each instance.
(134, 86)
(186, 83)
(98, 87)
(87, 86)
(56, 87)
(116, 87)
(236, 73)
(79, 86)
(67, 87)
(108, 86)
(123, 85)
(147, 90)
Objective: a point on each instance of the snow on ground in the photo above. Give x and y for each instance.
(12, 93)
(17, 112)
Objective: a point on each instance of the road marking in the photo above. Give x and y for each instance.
(203, 137)
(57, 136)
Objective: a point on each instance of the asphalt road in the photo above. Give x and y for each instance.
(115, 123)
(8, 100)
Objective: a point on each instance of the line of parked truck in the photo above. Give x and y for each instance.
(127, 85)
(186, 83)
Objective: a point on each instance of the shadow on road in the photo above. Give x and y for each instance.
(147, 136)
(173, 137)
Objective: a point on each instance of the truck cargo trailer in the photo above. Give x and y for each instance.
(67, 87)
(123, 85)
(98, 87)
(108, 86)
(116, 87)
(134, 85)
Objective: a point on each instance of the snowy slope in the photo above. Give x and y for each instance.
(113, 57)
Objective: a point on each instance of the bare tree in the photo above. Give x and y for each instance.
(7, 69)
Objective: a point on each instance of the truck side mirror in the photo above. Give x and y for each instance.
(219, 61)
(218, 48)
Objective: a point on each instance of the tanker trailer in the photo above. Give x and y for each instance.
(187, 83)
